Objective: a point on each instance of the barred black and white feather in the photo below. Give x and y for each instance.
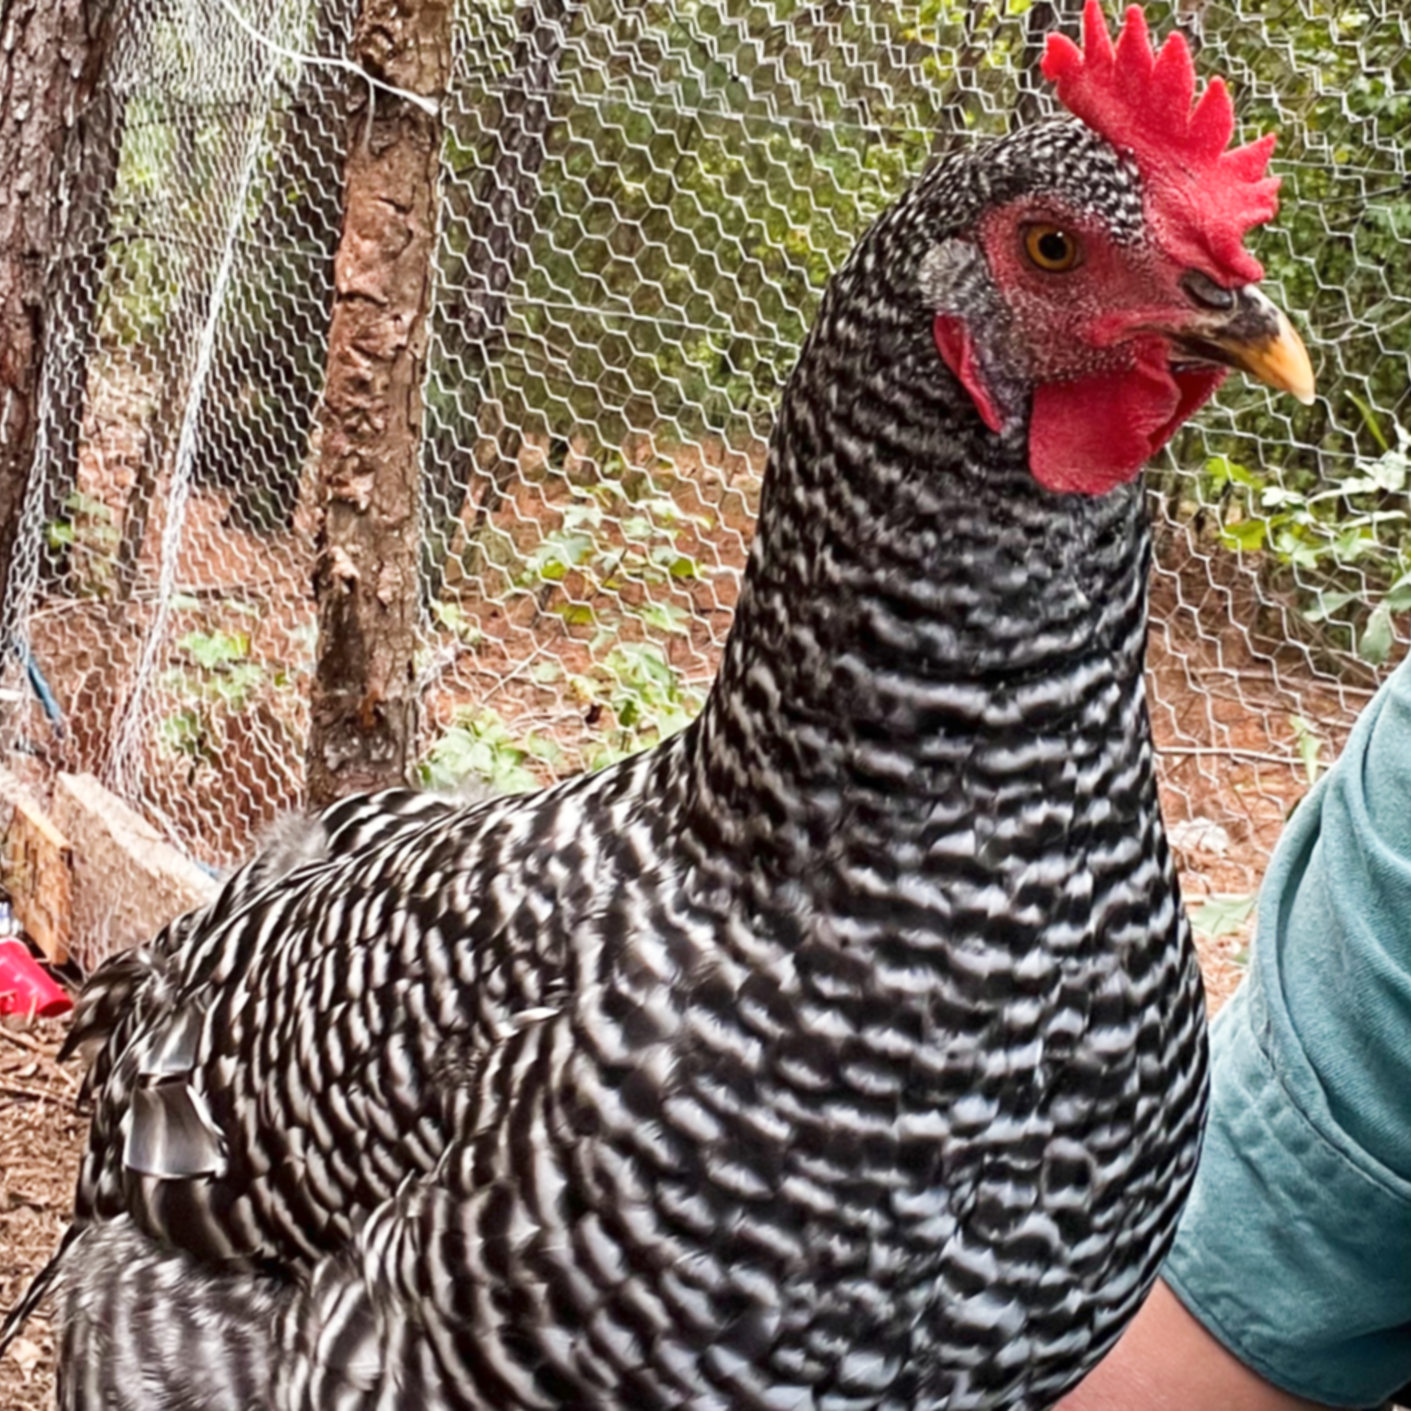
(845, 1051)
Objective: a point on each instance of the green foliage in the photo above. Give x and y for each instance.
(710, 164)
(1220, 916)
(225, 668)
(617, 552)
(645, 694)
(1346, 542)
(1334, 82)
(452, 618)
(708, 167)
(142, 275)
(1326, 488)
(607, 569)
(218, 679)
(87, 534)
(179, 210)
(479, 746)
(614, 552)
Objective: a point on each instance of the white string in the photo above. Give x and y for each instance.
(427, 105)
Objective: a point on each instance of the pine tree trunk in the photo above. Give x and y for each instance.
(51, 55)
(365, 705)
(76, 276)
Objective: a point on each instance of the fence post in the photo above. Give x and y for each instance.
(364, 708)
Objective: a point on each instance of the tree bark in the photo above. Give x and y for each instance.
(76, 276)
(364, 709)
(52, 53)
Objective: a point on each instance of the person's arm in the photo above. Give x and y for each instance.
(1166, 1361)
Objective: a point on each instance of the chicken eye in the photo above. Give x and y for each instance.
(1051, 248)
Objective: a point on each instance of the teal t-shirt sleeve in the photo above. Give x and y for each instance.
(1295, 1249)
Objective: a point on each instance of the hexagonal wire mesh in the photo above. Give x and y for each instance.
(641, 204)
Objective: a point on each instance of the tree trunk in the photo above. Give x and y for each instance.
(51, 55)
(364, 709)
(76, 275)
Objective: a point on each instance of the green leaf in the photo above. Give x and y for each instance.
(1389, 472)
(664, 617)
(1398, 596)
(575, 614)
(1220, 916)
(88, 506)
(1377, 637)
(1223, 471)
(482, 746)
(453, 617)
(184, 733)
(237, 682)
(558, 554)
(215, 649)
(1326, 604)
(1368, 416)
(1246, 534)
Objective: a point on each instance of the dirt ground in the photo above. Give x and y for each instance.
(41, 1136)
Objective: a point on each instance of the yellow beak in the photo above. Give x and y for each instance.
(1256, 337)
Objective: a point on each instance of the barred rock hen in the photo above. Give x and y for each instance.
(844, 1051)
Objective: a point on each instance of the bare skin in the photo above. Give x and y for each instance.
(1166, 1361)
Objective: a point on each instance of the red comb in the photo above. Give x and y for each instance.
(1201, 197)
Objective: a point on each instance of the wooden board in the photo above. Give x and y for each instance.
(127, 882)
(38, 874)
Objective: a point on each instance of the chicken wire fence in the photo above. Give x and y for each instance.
(640, 205)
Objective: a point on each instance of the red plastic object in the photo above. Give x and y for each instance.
(25, 987)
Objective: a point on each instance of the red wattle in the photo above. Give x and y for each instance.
(957, 348)
(1093, 433)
